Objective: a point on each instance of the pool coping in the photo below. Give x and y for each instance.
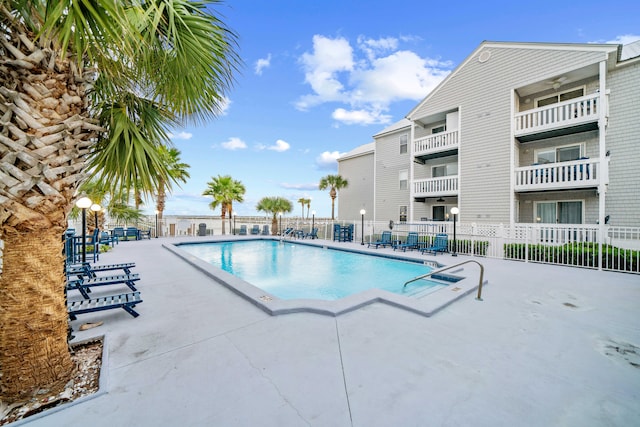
(424, 305)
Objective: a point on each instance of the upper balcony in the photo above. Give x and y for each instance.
(437, 145)
(558, 176)
(436, 187)
(563, 118)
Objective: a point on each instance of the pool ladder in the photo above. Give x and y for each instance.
(424, 276)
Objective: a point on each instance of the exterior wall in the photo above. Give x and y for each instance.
(359, 173)
(485, 120)
(389, 163)
(623, 141)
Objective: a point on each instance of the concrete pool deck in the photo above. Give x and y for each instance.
(548, 346)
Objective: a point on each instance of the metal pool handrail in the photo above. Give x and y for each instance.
(479, 298)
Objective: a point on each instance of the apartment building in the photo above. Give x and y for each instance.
(517, 133)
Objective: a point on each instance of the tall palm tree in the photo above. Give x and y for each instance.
(304, 202)
(224, 190)
(274, 206)
(334, 183)
(177, 172)
(308, 207)
(93, 81)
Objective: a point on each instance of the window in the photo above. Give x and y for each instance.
(403, 143)
(559, 212)
(403, 213)
(438, 129)
(438, 213)
(403, 176)
(559, 154)
(560, 97)
(444, 170)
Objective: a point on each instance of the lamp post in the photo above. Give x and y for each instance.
(455, 211)
(362, 212)
(84, 203)
(233, 215)
(313, 222)
(96, 208)
(280, 226)
(157, 212)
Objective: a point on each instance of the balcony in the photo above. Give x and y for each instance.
(558, 176)
(567, 117)
(436, 187)
(436, 145)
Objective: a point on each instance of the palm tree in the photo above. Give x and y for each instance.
(177, 172)
(304, 202)
(334, 183)
(86, 88)
(308, 207)
(225, 190)
(274, 206)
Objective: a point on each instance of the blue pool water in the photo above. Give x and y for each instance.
(293, 271)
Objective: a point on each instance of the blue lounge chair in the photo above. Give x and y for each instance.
(92, 245)
(255, 230)
(440, 244)
(287, 231)
(118, 233)
(243, 230)
(125, 301)
(132, 232)
(265, 230)
(337, 232)
(384, 241)
(313, 234)
(108, 239)
(88, 270)
(411, 242)
(85, 284)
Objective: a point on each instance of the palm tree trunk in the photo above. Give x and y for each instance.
(162, 196)
(33, 314)
(223, 215)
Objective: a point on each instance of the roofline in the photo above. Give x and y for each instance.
(606, 48)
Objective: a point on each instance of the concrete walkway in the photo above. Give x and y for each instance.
(548, 346)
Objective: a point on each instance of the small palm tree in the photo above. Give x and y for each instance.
(304, 202)
(308, 207)
(224, 190)
(334, 183)
(177, 172)
(274, 206)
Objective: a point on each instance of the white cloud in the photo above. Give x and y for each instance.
(360, 117)
(263, 63)
(368, 79)
(625, 39)
(224, 105)
(279, 146)
(299, 186)
(234, 143)
(180, 135)
(328, 160)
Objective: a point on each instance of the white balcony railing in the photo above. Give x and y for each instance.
(431, 187)
(563, 175)
(567, 113)
(443, 141)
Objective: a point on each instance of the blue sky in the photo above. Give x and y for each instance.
(322, 77)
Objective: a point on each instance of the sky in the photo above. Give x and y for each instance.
(320, 78)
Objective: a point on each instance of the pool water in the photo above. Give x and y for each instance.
(296, 271)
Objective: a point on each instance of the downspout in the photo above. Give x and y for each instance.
(604, 160)
(411, 171)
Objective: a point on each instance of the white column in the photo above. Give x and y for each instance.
(604, 161)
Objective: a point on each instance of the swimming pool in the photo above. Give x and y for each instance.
(295, 271)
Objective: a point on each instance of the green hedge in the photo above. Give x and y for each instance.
(580, 254)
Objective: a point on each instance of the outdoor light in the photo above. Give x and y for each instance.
(362, 212)
(157, 212)
(84, 203)
(313, 221)
(234, 223)
(96, 208)
(280, 226)
(455, 211)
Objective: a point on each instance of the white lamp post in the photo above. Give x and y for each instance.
(362, 212)
(84, 203)
(455, 211)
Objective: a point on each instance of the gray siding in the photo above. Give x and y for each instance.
(623, 141)
(389, 163)
(359, 173)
